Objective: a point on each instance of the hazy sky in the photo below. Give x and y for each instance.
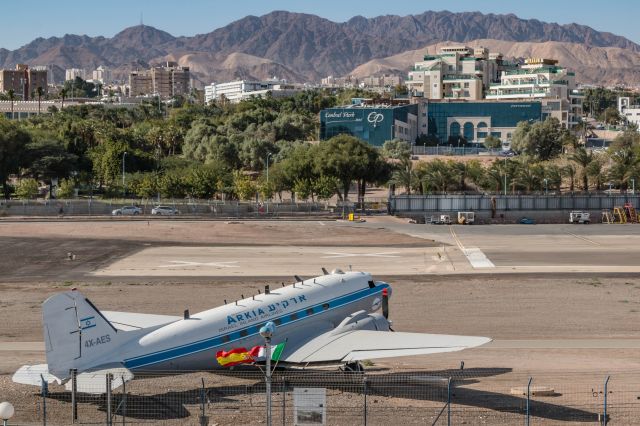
(27, 20)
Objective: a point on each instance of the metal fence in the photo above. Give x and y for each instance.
(186, 207)
(377, 397)
(484, 202)
(453, 150)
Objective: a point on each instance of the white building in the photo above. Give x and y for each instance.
(630, 112)
(235, 91)
(72, 73)
(102, 74)
(543, 80)
(458, 72)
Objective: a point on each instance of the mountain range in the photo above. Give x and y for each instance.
(303, 47)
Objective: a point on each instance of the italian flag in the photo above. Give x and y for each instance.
(237, 356)
(276, 351)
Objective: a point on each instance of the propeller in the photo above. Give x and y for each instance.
(385, 306)
(324, 271)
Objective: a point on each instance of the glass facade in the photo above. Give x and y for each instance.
(374, 125)
(500, 115)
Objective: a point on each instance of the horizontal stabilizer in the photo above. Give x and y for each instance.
(96, 381)
(127, 321)
(34, 374)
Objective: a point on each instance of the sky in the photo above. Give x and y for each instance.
(47, 18)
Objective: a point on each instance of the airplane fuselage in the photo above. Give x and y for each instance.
(299, 311)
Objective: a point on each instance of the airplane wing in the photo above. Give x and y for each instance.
(368, 344)
(127, 321)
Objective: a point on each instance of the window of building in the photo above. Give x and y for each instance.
(466, 85)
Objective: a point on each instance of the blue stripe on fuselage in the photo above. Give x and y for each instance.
(202, 345)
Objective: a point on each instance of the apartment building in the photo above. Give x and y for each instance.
(23, 81)
(102, 74)
(165, 80)
(457, 72)
(72, 73)
(236, 91)
(542, 80)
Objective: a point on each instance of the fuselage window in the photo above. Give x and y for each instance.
(325, 306)
(294, 317)
(310, 311)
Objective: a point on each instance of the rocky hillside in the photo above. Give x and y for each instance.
(299, 46)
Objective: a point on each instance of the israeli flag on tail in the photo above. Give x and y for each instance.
(88, 322)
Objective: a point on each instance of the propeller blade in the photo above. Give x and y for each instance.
(385, 303)
(324, 271)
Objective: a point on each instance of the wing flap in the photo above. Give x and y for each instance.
(127, 321)
(368, 344)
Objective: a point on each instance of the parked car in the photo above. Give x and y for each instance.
(127, 210)
(507, 153)
(527, 221)
(164, 211)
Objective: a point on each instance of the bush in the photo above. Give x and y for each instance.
(27, 189)
(66, 189)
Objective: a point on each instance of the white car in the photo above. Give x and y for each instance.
(127, 210)
(164, 211)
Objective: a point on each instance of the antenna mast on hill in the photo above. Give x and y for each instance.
(141, 21)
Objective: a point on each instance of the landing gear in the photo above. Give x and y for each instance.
(352, 367)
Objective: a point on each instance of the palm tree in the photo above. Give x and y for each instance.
(63, 94)
(12, 97)
(583, 158)
(39, 92)
(405, 176)
(596, 171)
(569, 171)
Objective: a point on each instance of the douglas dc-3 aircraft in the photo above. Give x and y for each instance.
(329, 319)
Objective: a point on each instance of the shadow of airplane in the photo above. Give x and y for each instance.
(413, 385)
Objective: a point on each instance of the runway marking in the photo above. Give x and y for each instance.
(333, 255)
(580, 237)
(183, 263)
(474, 255)
(322, 223)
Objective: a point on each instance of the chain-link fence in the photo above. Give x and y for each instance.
(335, 397)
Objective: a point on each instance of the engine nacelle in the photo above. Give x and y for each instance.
(362, 320)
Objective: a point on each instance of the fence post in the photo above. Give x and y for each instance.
(449, 402)
(284, 401)
(528, 399)
(605, 420)
(108, 378)
(124, 401)
(45, 391)
(364, 389)
(74, 389)
(204, 420)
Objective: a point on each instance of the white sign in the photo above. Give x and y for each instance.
(309, 406)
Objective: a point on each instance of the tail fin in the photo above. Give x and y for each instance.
(77, 336)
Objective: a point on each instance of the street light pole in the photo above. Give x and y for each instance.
(124, 188)
(505, 177)
(267, 332)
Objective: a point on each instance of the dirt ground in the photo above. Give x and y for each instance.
(508, 308)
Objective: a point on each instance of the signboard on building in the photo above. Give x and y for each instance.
(309, 406)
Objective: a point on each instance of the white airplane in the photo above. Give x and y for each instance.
(329, 319)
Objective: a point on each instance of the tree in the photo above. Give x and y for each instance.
(244, 187)
(611, 116)
(492, 142)
(583, 158)
(27, 189)
(63, 95)
(12, 97)
(13, 146)
(405, 175)
(326, 187)
(347, 159)
(39, 92)
(66, 189)
(396, 149)
(542, 140)
(569, 170)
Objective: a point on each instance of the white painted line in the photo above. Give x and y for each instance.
(580, 237)
(182, 263)
(477, 258)
(474, 255)
(333, 255)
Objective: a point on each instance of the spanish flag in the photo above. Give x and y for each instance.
(237, 356)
